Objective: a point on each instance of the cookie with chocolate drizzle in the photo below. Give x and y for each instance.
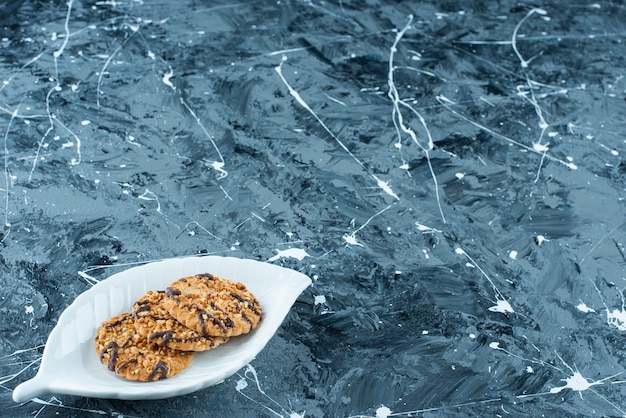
(154, 322)
(212, 305)
(132, 356)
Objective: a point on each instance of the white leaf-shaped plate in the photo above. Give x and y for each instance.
(70, 364)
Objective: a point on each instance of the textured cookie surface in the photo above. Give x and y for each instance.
(154, 322)
(132, 356)
(212, 305)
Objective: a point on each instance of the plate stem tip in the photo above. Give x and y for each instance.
(29, 389)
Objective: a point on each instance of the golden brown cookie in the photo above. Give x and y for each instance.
(132, 356)
(155, 323)
(212, 305)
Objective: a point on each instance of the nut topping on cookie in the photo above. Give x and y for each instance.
(159, 337)
(212, 305)
(154, 322)
(132, 356)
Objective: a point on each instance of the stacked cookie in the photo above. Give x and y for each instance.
(159, 337)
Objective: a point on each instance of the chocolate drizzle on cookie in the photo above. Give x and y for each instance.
(112, 349)
(158, 338)
(213, 306)
(140, 307)
(170, 291)
(167, 337)
(122, 366)
(160, 367)
(208, 276)
(164, 336)
(202, 315)
(119, 321)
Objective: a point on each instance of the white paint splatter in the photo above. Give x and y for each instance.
(251, 374)
(193, 225)
(217, 165)
(296, 253)
(575, 382)
(523, 62)
(104, 69)
(8, 178)
(319, 300)
(166, 79)
(351, 240)
(56, 54)
(502, 306)
(90, 279)
(584, 308)
(399, 119)
(382, 184)
(616, 318)
(241, 384)
(56, 403)
(383, 412)
(447, 103)
(148, 195)
(426, 229)
(73, 161)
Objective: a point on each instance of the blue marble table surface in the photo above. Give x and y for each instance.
(450, 174)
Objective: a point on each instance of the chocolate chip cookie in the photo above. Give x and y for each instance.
(212, 305)
(124, 351)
